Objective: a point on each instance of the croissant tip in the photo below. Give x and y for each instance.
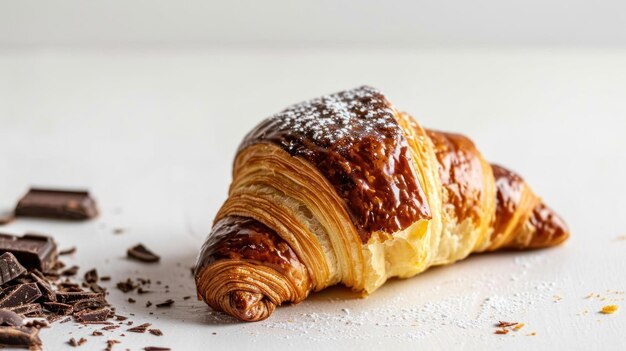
(249, 306)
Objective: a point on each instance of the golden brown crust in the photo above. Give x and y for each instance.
(353, 139)
(461, 173)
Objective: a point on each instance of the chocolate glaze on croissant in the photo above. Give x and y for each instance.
(345, 189)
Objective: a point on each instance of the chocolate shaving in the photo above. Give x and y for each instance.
(502, 324)
(10, 268)
(141, 253)
(140, 328)
(97, 333)
(68, 251)
(156, 348)
(156, 332)
(166, 303)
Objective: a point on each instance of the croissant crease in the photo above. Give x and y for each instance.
(344, 189)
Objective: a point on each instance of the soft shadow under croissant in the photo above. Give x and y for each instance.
(344, 189)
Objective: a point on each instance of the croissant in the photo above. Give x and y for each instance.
(345, 189)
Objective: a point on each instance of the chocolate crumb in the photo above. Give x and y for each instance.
(156, 332)
(156, 348)
(97, 333)
(131, 300)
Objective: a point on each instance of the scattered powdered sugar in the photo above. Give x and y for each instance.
(467, 305)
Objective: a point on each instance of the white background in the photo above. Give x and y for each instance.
(145, 103)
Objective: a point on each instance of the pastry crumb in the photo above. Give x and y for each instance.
(519, 326)
(609, 309)
(502, 331)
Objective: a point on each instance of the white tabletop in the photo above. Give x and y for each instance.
(153, 133)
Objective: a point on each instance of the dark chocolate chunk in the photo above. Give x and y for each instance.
(57, 204)
(93, 303)
(69, 251)
(140, 328)
(149, 303)
(97, 333)
(166, 303)
(33, 251)
(156, 348)
(105, 278)
(43, 285)
(99, 315)
(131, 300)
(22, 337)
(71, 297)
(10, 268)
(59, 308)
(29, 310)
(19, 295)
(141, 253)
(10, 319)
(156, 332)
(91, 276)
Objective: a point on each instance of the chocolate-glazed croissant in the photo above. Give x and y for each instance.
(346, 189)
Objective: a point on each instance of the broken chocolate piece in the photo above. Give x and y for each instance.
(22, 337)
(141, 253)
(33, 251)
(10, 268)
(29, 310)
(71, 297)
(110, 344)
(19, 295)
(59, 308)
(93, 303)
(10, 319)
(91, 276)
(99, 315)
(97, 333)
(166, 303)
(57, 204)
(156, 348)
(43, 285)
